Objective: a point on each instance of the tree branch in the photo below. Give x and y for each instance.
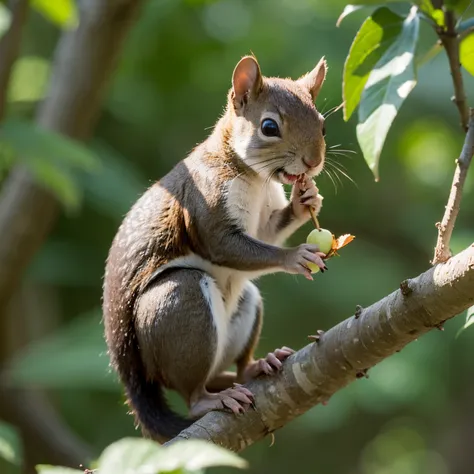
(344, 353)
(449, 38)
(446, 226)
(84, 60)
(44, 433)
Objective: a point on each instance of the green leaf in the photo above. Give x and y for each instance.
(131, 454)
(46, 469)
(53, 158)
(83, 363)
(435, 14)
(128, 455)
(59, 182)
(469, 320)
(10, 444)
(466, 52)
(193, 455)
(469, 317)
(375, 36)
(388, 85)
(5, 19)
(61, 12)
(32, 141)
(373, 2)
(21, 87)
(348, 9)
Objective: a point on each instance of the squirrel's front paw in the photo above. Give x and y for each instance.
(305, 194)
(298, 258)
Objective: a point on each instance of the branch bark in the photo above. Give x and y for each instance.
(449, 38)
(84, 60)
(345, 353)
(83, 63)
(446, 226)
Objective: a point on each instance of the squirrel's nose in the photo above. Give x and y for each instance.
(311, 162)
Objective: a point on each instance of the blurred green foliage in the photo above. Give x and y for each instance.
(169, 88)
(131, 455)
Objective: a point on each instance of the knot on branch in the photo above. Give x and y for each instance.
(405, 288)
(358, 311)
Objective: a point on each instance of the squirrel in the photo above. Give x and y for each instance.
(179, 307)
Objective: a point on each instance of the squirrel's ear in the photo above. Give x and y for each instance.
(247, 79)
(314, 79)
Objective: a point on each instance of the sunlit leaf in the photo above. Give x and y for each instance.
(373, 2)
(374, 38)
(32, 141)
(193, 455)
(5, 19)
(21, 87)
(83, 362)
(10, 444)
(348, 9)
(58, 181)
(131, 454)
(46, 469)
(469, 317)
(388, 85)
(436, 14)
(466, 52)
(469, 320)
(61, 12)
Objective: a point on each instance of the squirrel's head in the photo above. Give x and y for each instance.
(276, 129)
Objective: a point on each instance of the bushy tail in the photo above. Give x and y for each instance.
(146, 398)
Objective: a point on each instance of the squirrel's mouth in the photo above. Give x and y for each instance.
(287, 178)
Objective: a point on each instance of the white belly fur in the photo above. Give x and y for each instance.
(250, 204)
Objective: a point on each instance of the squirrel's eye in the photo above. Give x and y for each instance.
(324, 131)
(270, 128)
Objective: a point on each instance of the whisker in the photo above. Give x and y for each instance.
(336, 164)
(324, 106)
(339, 150)
(325, 170)
(338, 153)
(333, 110)
(336, 167)
(335, 172)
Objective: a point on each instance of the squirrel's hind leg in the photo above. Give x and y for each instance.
(183, 335)
(247, 367)
(175, 330)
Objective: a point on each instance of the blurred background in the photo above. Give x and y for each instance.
(414, 414)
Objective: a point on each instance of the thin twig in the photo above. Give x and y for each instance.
(449, 38)
(446, 226)
(314, 218)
